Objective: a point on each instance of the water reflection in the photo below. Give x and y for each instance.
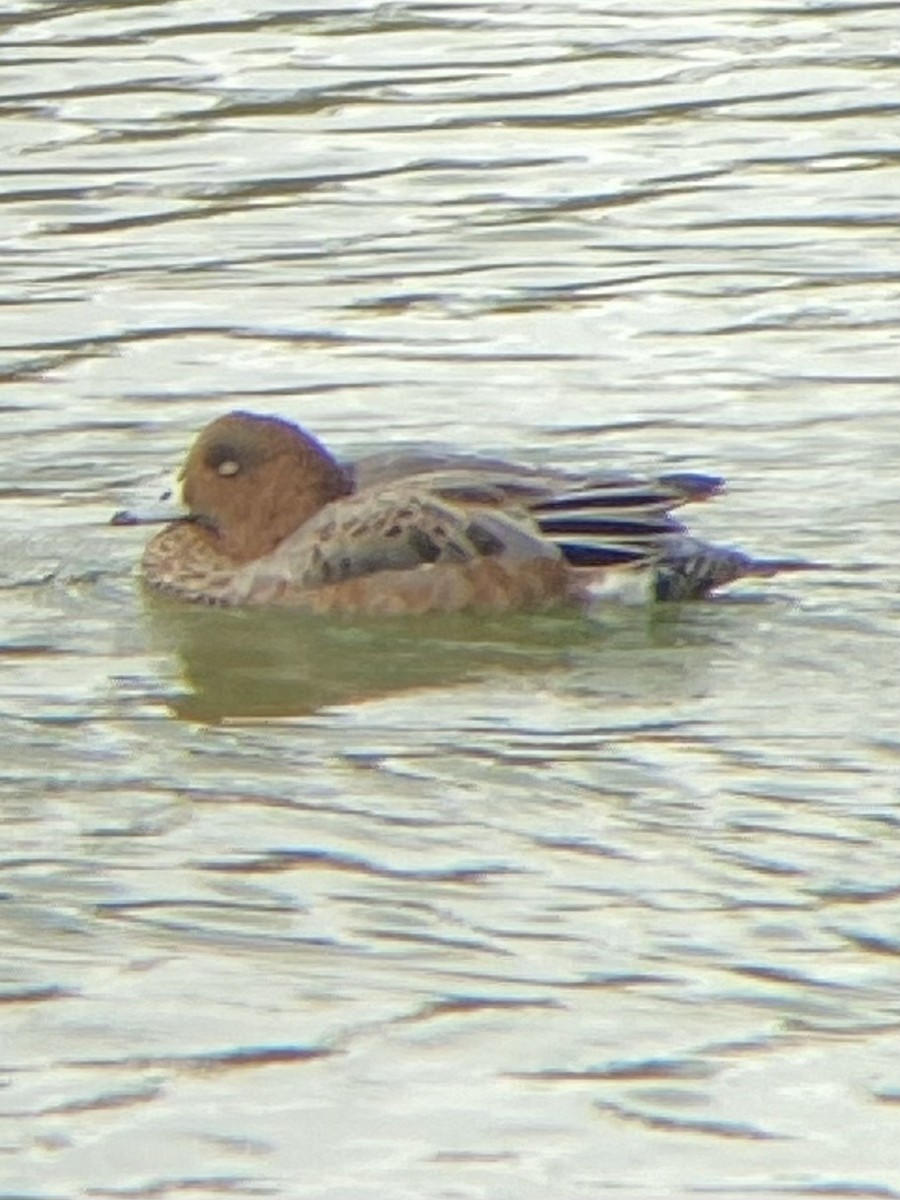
(235, 664)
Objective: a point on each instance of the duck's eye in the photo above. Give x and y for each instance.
(228, 467)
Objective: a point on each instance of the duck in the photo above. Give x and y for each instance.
(270, 518)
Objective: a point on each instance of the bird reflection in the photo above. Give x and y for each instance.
(262, 664)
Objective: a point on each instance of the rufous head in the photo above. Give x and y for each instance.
(248, 481)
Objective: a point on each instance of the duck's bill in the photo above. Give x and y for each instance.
(156, 515)
(162, 514)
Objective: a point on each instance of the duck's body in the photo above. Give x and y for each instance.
(273, 520)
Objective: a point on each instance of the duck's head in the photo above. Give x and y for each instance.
(248, 481)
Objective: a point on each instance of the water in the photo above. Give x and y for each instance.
(458, 908)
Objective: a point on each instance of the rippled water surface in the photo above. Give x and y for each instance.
(469, 909)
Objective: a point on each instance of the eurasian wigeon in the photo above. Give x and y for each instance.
(271, 518)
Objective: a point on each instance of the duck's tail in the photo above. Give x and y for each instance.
(692, 570)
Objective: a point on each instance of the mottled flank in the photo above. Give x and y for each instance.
(272, 519)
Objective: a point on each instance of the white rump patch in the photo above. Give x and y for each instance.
(621, 585)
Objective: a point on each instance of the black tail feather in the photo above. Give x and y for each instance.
(580, 554)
